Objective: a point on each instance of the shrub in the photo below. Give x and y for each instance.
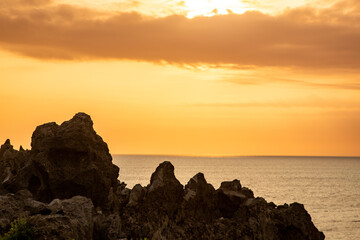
(20, 230)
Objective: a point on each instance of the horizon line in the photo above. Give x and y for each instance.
(234, 156)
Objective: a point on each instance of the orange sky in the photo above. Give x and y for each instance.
(193, 77)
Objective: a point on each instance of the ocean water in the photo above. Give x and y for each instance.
(329, 187)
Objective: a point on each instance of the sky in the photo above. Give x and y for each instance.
(191, 77)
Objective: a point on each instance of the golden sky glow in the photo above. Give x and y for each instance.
(201, 77)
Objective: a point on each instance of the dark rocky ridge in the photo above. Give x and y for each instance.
(67, 187)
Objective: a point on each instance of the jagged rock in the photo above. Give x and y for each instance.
(231, 212)
(165, 191)
(107, 227)
(163, 177)
(11, 161)
(200, 198)
(137, 194)
(234, 188)
(230, 195)
(6, 146)
(68, 219)
(71, 159)
(231, 186)
(124, 196)
(68, 160)
(198, 187)
(295, 223)
(11, 207)
(159, 207)
(284, 222)
(248, 193)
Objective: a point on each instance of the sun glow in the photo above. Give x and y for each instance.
(190, 8)
(214, 7)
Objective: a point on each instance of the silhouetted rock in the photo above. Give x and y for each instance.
(6, 146)
(165, 192)
(68, 160)
(200, 198)
(248, 193)
(230, 195)
(266, 221)
(11, 161)
(230, 212)
(124, 197)
(107, 227)
(231, 186)
(163, 177)
(197, 187)
(137, 194)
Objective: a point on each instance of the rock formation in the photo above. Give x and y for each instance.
(201, 212)
(67, 188)
(65, 160)
(60, 219)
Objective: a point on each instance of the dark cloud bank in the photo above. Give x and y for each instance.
(302, 37)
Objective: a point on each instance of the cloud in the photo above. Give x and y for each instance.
(303, 83)
(24, 3)
(303, 37)
(315, 103)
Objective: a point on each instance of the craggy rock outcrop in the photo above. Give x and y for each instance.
(200, 199)
(67, 160)
(60, 219)
(230, 196)
(11, 161)
(136, 195)
(107, 227)
(231, 212)
(165, 192)
(150, 209)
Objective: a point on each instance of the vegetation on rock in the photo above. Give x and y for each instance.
(20, 230)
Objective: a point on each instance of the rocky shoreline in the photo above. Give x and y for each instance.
(67, 187)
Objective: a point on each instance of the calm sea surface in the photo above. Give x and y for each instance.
(329, 187)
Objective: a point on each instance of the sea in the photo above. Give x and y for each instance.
(329, 187)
